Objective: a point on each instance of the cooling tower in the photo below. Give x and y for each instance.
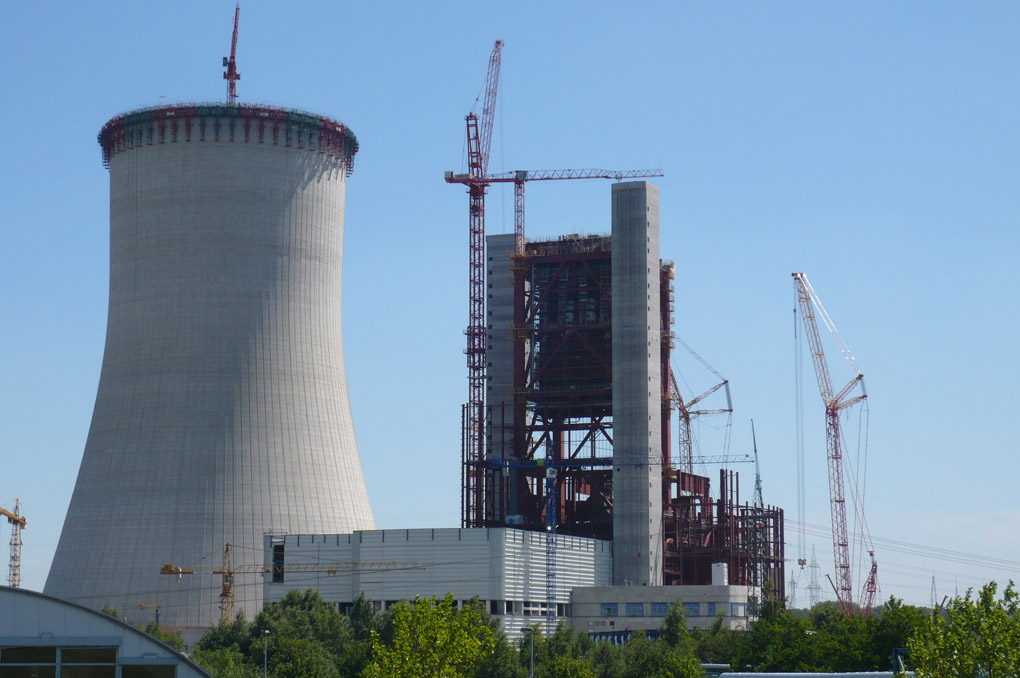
(222, 411)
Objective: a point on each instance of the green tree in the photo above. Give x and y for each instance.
(717, 644)
(301, 658)
(976, 636)
(841, 644)
(235, 635)
(432, 639)
(225, 662)
(674, 628)
(894, 623)
(778, 641)
(646, 659)
(171, 639)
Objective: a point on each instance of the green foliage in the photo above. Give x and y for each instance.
(645, 659)
(841, 645)
(432, 639)
(778, 642)
(976, 636)
(301, 658)
(894, 624)
(674, 630)
(171, 639)
(225, 663)
(503, 662)
(107, 610)
(235, 634)
(717, 644)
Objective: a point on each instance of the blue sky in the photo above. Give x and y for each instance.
(873, 146)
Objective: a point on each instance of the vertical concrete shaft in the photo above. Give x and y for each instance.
(637, 392)
(499, 383)
(222, 410)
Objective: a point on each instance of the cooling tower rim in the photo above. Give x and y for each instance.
(173, 123)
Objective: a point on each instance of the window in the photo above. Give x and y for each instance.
(277, 563)
(635, 609)
(29, 662)
(709, 609)
(736, 609)
(660, 609)
(610, 610)
(692, 609)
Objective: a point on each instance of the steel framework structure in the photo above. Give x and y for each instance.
(549, 462)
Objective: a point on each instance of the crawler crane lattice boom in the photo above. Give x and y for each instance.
(835, 403)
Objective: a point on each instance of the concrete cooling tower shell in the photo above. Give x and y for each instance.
(222, 411)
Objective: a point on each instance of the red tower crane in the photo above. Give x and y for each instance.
(477, 180)
(230, 63)
(479, 139)
(835, 403)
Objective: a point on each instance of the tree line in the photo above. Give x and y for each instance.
(975, 635)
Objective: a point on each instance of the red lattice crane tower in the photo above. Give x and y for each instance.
(479, 141)
(230, 63)
(835, 404)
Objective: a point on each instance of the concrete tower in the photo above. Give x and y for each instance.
(222, 411)
(637, 386)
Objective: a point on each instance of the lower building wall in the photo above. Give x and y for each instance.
(507, 569)
(612, 609)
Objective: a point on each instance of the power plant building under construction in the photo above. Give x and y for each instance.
(222, 425)
(577, 508)
(580, 406)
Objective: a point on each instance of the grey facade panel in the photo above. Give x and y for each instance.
(222, 410)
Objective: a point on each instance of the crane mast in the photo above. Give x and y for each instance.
(230, 63)
(18, 523)
(834, 403)
(479, 139)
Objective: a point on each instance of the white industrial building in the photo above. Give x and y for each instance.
(44, 636)
(524, 578)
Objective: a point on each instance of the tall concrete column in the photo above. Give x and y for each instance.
(637, 390)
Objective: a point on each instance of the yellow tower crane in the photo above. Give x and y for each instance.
(18, 523)
(227, 570)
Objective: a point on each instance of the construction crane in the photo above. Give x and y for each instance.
(230, 63)
(227, 571)
(520, 177)
(835, 403)
(722, 458)
(479, 140)
(687, 414)
(759, 538)
(152, 606)
(477, 179)
(18, 523)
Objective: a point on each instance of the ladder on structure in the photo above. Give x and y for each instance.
(550, 552)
